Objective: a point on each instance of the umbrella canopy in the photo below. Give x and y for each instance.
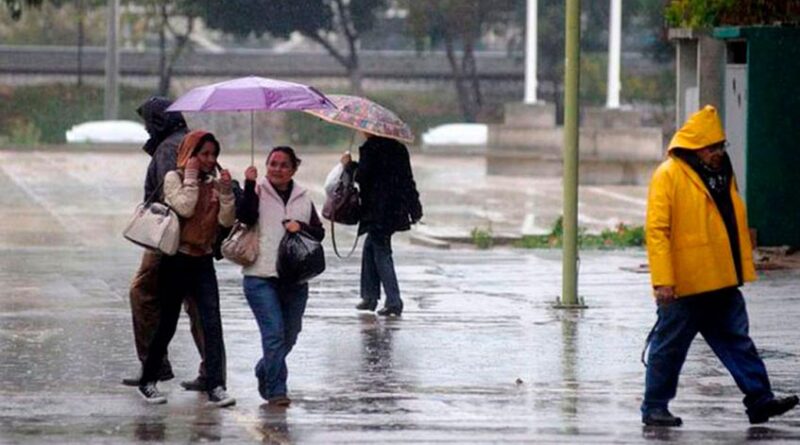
(362, 114)
(251, 94)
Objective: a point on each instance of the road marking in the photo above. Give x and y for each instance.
(619, 196)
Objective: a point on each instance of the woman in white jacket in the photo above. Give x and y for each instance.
(276, 204)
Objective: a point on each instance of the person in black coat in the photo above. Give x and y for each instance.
(389, 203)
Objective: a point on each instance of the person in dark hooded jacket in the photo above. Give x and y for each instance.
(389, 203)
(166, 130)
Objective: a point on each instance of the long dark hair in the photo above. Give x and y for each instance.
(208, 137)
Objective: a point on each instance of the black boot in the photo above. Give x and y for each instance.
(164, 374)
(661, 417)
(388, 311)
(367, 305)
(773, 408)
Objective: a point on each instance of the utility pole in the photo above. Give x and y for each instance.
(569, 291)
(614, 54)
(531, 52)
(111, 103)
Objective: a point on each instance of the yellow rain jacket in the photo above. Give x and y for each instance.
(687, 242)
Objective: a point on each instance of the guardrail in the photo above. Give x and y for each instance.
(63, 60)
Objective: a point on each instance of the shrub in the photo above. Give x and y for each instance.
(482, 238)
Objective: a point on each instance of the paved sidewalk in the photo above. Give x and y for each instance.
(479, 355)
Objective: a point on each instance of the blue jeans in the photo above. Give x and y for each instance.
(377, 266)
(721, 318)
(278, 310)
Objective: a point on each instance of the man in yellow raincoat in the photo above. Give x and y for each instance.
(699, 252)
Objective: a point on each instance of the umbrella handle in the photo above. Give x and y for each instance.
(352, 139)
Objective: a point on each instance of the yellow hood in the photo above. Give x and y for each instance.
(702, 129)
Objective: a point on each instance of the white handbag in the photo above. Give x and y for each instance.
(155, 226)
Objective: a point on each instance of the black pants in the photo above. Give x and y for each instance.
(146, 311)
(179, 276)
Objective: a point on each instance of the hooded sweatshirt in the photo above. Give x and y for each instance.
(158, 122)
(200, 200)
(166, 130)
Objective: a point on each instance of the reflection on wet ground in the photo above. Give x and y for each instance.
(479, 355)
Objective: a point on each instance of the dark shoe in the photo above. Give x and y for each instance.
(198, 384)
(220, 398)
(163, 375)
(773, 408)
(151, 394)
(280, 400)
(661, 417)
(131, 381)
(389, 311)
(367, 305)
(262, 389)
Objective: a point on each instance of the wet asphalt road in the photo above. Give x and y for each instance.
(479, 355)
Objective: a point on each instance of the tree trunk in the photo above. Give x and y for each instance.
(356, 80)
(181, 42)
(350, 63)
(470, 69)
(463, 92)
(163, 80)
(351, 36)
(80, 42)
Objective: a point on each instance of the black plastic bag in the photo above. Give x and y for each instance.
(300, 258)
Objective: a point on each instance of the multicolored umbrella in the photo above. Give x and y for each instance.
(252, 94)
(362, 114)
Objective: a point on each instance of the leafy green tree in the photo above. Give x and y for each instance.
(326, 22)
(458, 25)
(708, 13)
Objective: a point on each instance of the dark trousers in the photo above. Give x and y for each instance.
(721, 318)
(179, 276)
(146, 310)
(377, 266)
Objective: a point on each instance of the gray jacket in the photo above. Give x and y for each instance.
(164, 159)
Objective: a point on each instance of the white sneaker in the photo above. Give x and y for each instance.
(219, 398)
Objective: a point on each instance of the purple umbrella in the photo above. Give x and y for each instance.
(251, 94)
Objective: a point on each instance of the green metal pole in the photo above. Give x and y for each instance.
(569, 290)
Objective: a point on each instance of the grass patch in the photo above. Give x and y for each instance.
(482, 238)
(619, 237)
